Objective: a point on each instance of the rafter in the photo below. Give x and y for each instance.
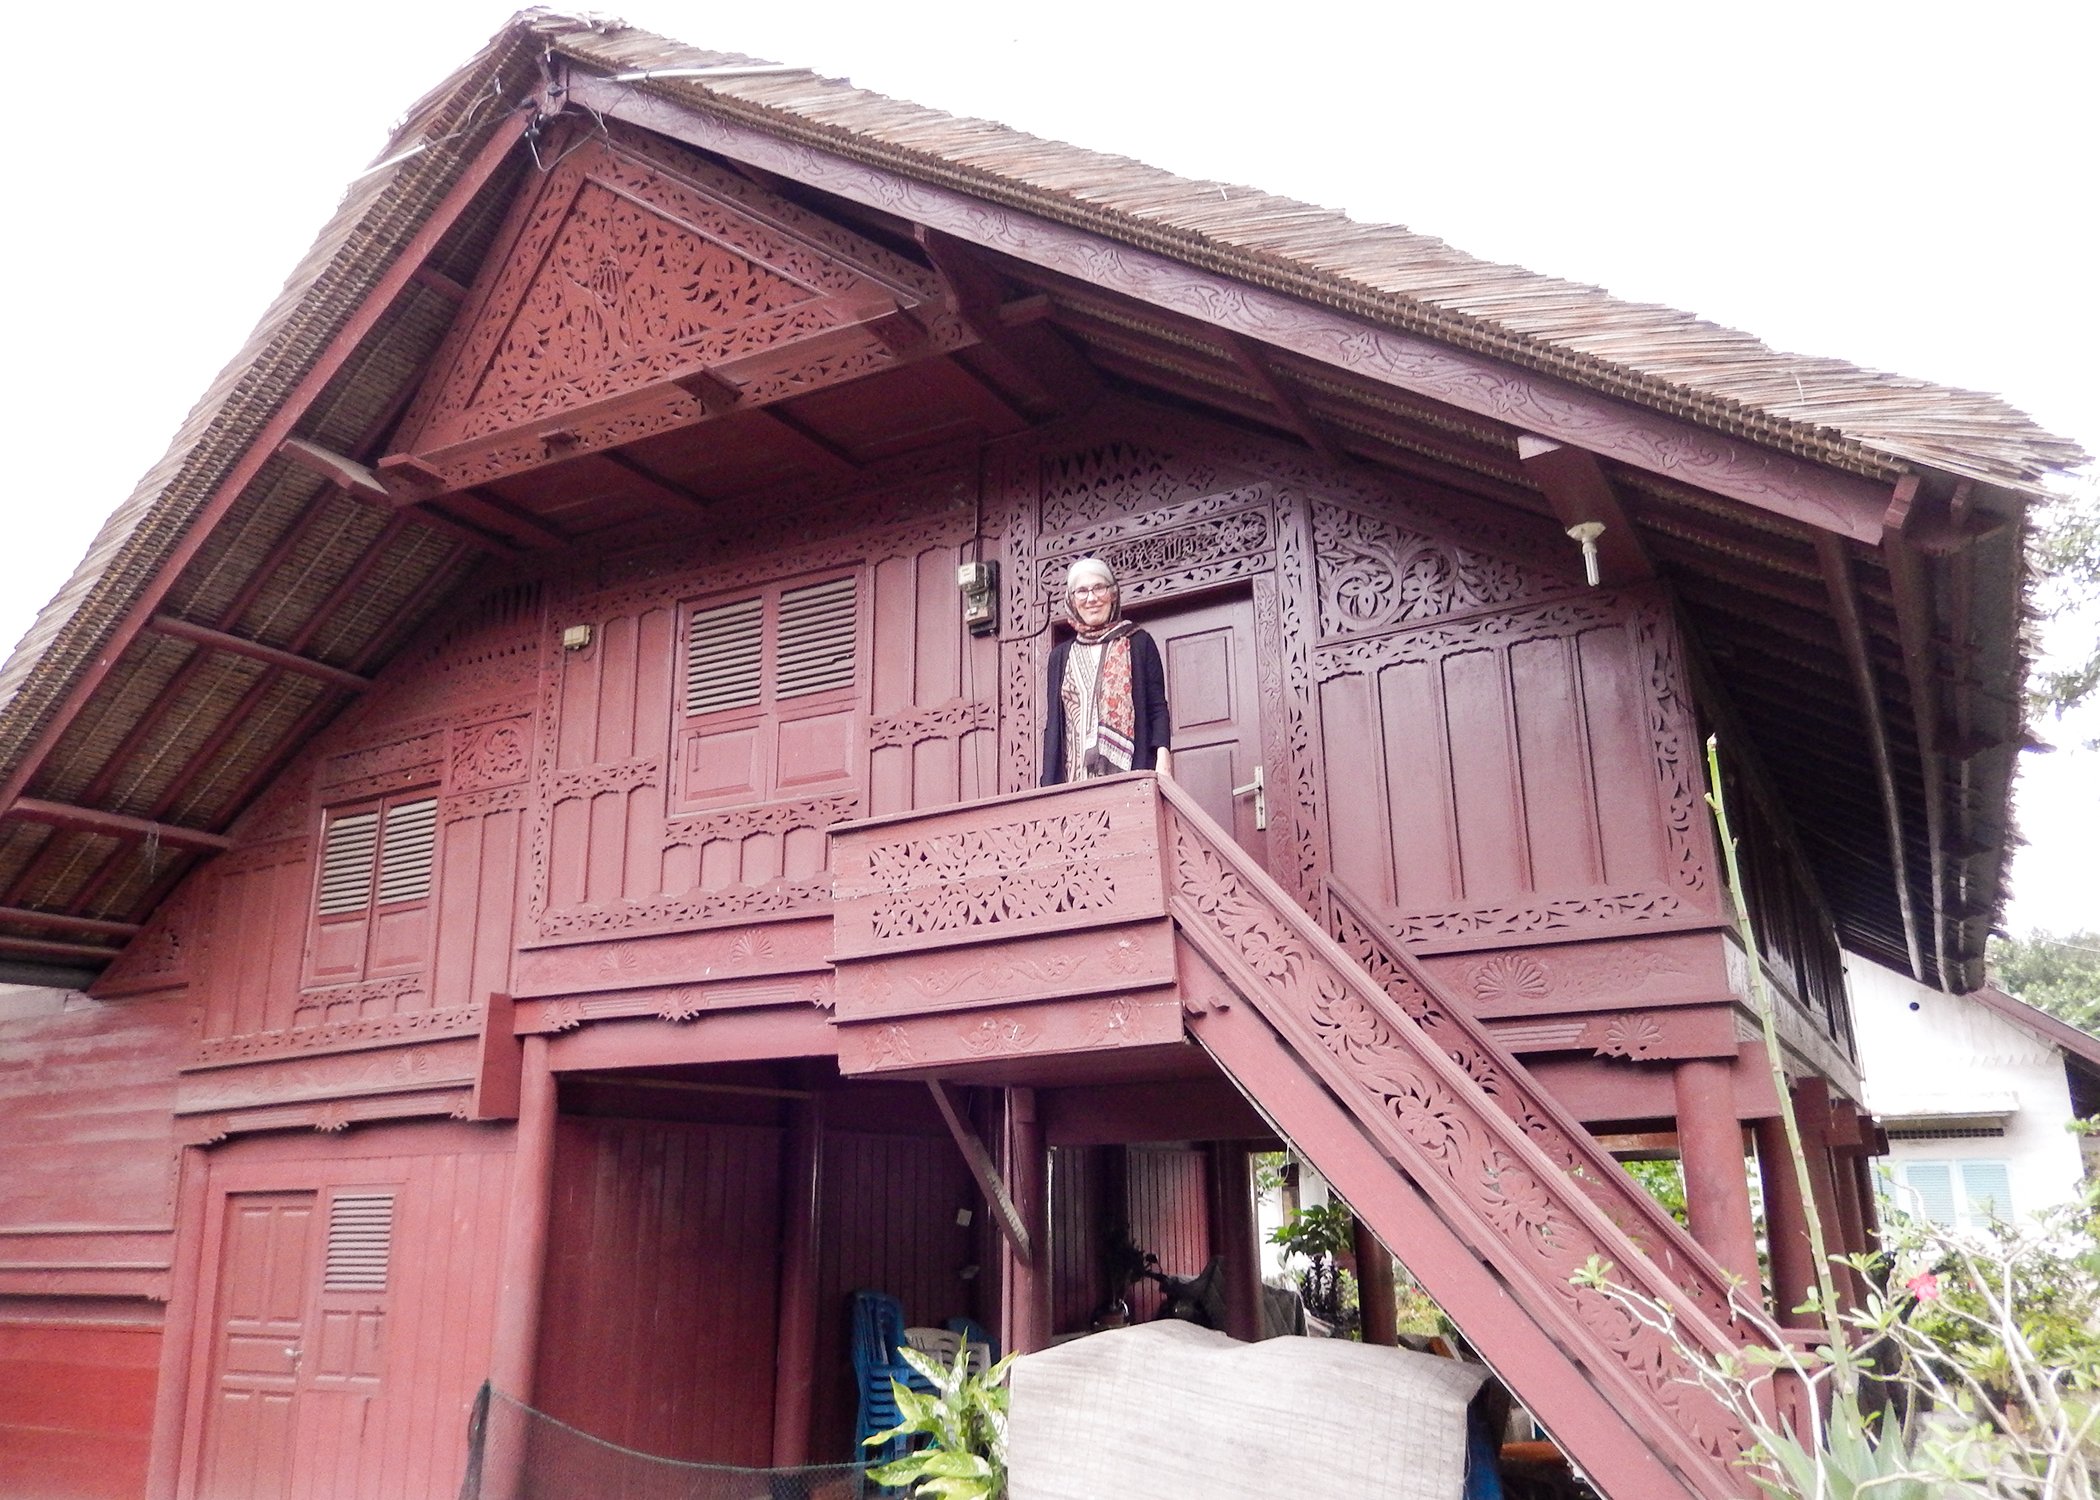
(58, 921)
(121, 825)
(1252, 363)
(239, 645)
(1852, 635)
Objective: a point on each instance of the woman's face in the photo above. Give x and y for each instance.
(1093, 603)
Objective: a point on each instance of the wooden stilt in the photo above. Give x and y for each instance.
(795, 1349)
(1710, 1144)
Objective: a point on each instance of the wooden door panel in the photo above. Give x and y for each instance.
(261, 1307)
(1208, 652)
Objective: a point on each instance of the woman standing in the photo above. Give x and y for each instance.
(1106, 711)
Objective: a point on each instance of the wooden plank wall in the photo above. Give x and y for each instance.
(890, 1203)
(661, 1297)
(76, 1401)
(1169, 1211)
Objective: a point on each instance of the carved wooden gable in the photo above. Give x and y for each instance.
(641, 288)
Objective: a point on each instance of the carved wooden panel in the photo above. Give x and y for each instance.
(1013, 867)
(1112, 957)
(1377, 573)
(684, 958)
(997, 1033)
(1536, 774)
(627, 268)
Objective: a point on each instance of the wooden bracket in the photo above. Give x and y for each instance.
(985, 1171)
(1576, 486)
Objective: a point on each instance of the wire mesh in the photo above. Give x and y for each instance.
(515, 1452)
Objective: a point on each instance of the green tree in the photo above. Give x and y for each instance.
(2058, 974)
(2066, 555)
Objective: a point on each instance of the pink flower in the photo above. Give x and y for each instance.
(1924, 1286)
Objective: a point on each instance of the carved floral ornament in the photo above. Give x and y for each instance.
(1376, 574)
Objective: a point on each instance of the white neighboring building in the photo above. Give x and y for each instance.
(1975, 1092)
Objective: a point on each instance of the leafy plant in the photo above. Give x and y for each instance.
(960, 1426)
(1320, 1236)
(1321, 1232)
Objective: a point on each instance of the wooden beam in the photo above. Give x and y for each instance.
(506, 516)
(986, 1172)
(44, 948)
(237, 645)
(58, 921)
(335, 468)
(430, 276)
(352, 334)
(1247, 355)
(826, 456)
(121, 825)
(1914, 627)
(654, 485)
(1576, 486)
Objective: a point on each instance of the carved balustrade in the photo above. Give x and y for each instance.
(1462, 1147)
(1445, 1021)
(952, 930)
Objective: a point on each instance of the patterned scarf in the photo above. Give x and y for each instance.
(1100, 709)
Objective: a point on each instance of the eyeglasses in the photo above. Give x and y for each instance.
(1093, 590)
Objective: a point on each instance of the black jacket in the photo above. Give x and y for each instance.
(1148, 692)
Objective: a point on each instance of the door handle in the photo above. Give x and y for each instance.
(1261, 799)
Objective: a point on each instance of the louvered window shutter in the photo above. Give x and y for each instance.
(1931, 1194)
(725, 657)
(1986, 1190)
(346, 863)
(406, 851)
(360, 1242)
(818, 625)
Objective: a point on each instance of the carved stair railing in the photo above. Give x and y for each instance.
(1447, 1022)
(1453, 1178)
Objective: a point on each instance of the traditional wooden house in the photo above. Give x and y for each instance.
(527, 820)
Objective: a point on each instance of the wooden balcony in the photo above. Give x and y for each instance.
(1020, 928)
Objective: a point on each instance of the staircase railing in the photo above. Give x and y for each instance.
(1446, 1021)
(1464, 1139)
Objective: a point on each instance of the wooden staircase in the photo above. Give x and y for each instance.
(1041, 931)
(1442, 1144)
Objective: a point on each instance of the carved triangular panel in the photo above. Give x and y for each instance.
(637, 286)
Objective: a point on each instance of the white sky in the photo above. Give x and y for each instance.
(1906, 186)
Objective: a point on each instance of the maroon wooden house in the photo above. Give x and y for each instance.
(526, 823)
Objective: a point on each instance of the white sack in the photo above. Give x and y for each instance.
(1170, 1411)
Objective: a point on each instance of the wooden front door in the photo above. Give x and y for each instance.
(250, 1423)
(1208, 649)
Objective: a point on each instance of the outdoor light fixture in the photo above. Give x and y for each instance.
(979, 582)
(1587, 532)
(575, 637)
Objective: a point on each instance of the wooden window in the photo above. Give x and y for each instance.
(372, 891)
(773, 689)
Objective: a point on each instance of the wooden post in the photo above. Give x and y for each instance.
(1376, 1299)
(1710, 1145)
(186, 1281)
(795, 1345)
(1025, 1283)
(1232, 1236)
(1786, 1221)
(516, 1342)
